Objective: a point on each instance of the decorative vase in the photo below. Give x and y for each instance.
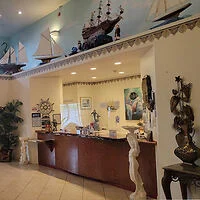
(187, 154)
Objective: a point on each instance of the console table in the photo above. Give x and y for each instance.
(184, 173)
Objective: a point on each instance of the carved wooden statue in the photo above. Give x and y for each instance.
(134, 152)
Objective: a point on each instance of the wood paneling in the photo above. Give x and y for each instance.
(67, 153)
(102, 159)
(45, 156)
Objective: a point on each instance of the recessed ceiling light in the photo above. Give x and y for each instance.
(19, 12)
(0, 15)
(121, 72)
(73, 73)
(94, 77)
(117, 63)
(93, 68)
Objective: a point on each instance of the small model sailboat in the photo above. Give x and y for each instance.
(48, 49)
(167, 9)
(9, 64)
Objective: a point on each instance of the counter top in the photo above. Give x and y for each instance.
(101, 135)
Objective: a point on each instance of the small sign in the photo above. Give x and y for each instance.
(36, 120)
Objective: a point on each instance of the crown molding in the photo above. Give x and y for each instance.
(6, 77)
(150, 36)
(104, 81)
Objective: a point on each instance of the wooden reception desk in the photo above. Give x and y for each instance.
(100, 158)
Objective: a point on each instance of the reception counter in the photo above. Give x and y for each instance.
(100, 158)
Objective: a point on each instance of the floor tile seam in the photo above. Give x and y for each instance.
(24, 187)
(104, 191)
(83, 187)
(43, 187)
(128, 197)
(63, 187)
(6, 185)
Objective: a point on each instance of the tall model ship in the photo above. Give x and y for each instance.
(168, 9)
(100, 26)
(9, 64)
(48, 49)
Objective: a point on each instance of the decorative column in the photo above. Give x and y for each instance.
(24, 152)
(134, 152)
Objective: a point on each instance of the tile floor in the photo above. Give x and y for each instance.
(33, 182)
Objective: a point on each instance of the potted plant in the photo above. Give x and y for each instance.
(9, 120)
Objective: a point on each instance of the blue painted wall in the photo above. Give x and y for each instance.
(77, 12)
(3, 47)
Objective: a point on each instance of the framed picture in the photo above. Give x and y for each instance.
(85, 103)
(57, 117)
(133, 103)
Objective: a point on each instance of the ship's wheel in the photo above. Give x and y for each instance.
(45, 107)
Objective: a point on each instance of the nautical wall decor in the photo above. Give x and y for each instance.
(9, 64)
(187, 151)
(47, 49)
(167, 10)
(45, 107)
(96, 33)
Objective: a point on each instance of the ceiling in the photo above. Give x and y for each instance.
(105, 68)
(32, 10)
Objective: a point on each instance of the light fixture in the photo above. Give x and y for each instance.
(121, 72)
(73, 73)
(117, 63)
(19, 12)
(93, 68)
(0, 15)
(55, 33)
(94, 77)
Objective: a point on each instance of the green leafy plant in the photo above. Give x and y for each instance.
(9, 121)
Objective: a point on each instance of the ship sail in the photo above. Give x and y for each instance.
(165, 9)
(9, 57)
(48, 48)
(22, 58)
(9, 64)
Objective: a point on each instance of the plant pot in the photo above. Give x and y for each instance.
(187, 154)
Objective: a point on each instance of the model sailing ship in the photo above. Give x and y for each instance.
(168, 9)
(96, 33)
(48, 49)
(9, 64)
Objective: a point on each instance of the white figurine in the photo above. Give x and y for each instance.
(134, 152)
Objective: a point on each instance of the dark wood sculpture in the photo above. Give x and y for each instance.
(184, 122)
(148, 94)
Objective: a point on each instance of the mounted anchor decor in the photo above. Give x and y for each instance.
(184, 122)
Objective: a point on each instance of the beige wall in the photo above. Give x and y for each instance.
(44, 88)
(5, 91)
(30, 91)
(174, 56)
(102, 94)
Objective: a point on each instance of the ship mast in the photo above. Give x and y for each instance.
(99, 13)
(92, 19)
(121, 10)
(108, 10)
